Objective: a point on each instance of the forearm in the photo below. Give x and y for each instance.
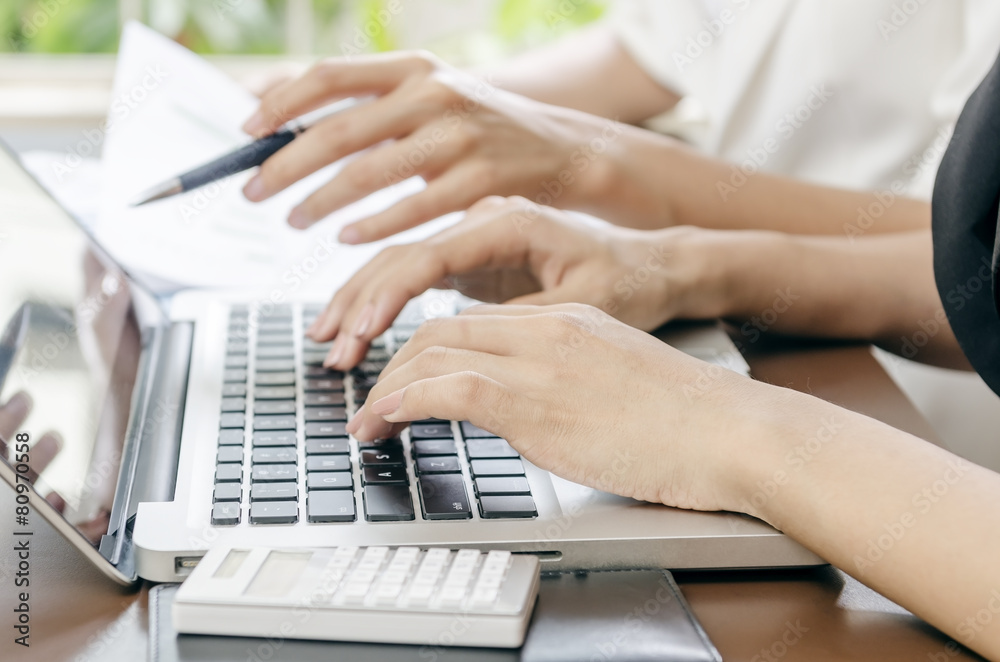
(879, 289)
(903, 516)
(648, 181)
(588, 71)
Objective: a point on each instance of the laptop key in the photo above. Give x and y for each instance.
(234, 375)
(274, 407)
(226, 514)
(228, 473)
(500, 485)
(320, 372)
(431, 431)
(481, 449)
(274, 512)
(381, 475)
(444, 464)
(274, 393)
(430, 447)
(229, 454)
(237, 347)
(275, 365)
(274, 492)
(320, 385)
(227, 492)
(497, 468)
(275, 438)
(314, 358)
(274, 422)
(499, 507)
(231, 437)
(331, 446)
(234, 404)
(273, 473)
(332, 399)
(470, 431)
(236, 361)
(328, 463)
(232, 420)
(388, 503)
(444, 497)
(329, 480)
(275, 455)
(333, 429)
(325, 414)
(382, 456)
(274, 379)
(276, 351)
(234, 390)
(330, 506)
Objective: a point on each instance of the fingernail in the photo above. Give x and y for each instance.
(20, 402)
(335, 353)
(350, 235)
(254, 190)
(314, 327)
(364, 321)
(297, 218)
(388, 404)
(254, 124)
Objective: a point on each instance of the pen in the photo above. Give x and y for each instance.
(244, 158)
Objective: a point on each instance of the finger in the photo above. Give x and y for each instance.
(551, 297)
(330, 140)
(456, 189)
(462, 396)
(43, 452)
(95, 528)
(13, 413)
(518, 310)
(56, 501)
(377, 169)
(331, 79)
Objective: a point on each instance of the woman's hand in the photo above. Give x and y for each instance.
(464, 136)
(511, 250)
(577, 393)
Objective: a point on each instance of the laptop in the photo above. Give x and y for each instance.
(210, 419)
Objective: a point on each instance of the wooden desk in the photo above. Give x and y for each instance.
(812, 615)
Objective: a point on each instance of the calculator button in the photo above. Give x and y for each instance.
(329, 480)
(388, 503)
(276, 438)
(425, 447)
(224, 514)
(480, 449)
(328, 463)
(274, 492)
(330, 506)
(228, 473)
(497, 468)
(227, 492)
(274, 407)
(438, 465)
(500, 485)
(326, 430)
(443, 496)
(271, 473)
(232, 421)
(274, 512)
(230, 454)
(389, 474)
(230, 437)
(234, 404)
(498, 507)
(274, 455)
(331, 446)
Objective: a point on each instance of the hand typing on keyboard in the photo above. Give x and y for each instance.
(575, 392)
(512, 250)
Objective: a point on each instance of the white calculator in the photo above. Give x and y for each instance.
(403, 595)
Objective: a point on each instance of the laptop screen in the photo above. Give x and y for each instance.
(69, 351)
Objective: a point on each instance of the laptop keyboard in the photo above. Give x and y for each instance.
(284, 454)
